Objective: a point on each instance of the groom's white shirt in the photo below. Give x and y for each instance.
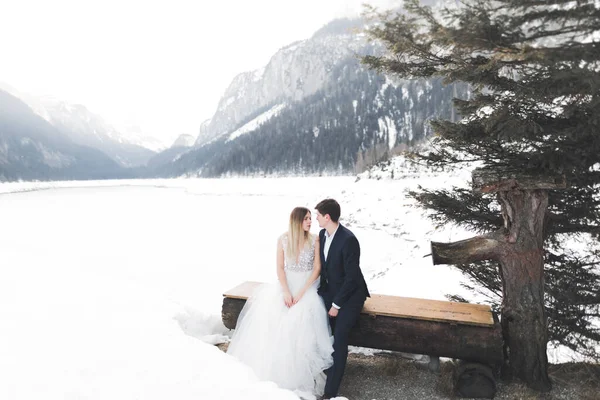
(328, 240)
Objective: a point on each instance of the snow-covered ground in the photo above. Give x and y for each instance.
(108, 286)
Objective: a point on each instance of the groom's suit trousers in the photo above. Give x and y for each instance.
(341, 326)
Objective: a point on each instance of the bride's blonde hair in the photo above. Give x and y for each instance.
(297, 237)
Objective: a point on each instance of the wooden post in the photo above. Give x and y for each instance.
(518, 247)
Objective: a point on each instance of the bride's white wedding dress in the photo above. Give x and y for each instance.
(289, 346)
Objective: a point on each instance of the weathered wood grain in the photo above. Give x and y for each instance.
(405, 307)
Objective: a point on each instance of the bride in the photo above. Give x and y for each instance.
(283, 330)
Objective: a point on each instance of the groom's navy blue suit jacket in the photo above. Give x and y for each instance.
(342, 281)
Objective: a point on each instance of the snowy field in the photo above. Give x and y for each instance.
(112, 289)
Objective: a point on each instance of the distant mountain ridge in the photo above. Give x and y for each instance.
(33, 149)
(184, 140)
(87, 128)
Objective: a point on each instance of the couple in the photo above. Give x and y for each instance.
(283, 331)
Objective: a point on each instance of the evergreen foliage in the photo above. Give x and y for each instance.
(533, 67)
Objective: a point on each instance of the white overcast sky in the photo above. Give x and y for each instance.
(162, 65)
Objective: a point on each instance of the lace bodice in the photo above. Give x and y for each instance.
(305, 260)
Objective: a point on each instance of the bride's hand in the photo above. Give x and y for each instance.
(298, 297)
(287, 299)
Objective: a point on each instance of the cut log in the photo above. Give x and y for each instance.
(422, 328)
(465, 251)
(474, 380)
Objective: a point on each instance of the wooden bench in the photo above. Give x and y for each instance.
(464, 331)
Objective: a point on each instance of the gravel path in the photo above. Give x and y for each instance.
(384, 376)
(397, 376)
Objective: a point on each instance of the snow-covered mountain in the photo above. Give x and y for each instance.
(135, 135)
(32, 149)
(180, 146)
(129, 149)
(89, 129)
(293, 73)
(313, 109)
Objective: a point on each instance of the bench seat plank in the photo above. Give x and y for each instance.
(430, 310)
(405, 307)
(242, 291)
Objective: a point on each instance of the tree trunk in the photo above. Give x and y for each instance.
(518, 247)
(523, 316)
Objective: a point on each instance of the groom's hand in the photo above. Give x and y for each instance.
(333, 312)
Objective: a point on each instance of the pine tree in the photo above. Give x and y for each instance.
(534, 71)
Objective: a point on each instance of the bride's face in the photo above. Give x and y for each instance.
(307, 222)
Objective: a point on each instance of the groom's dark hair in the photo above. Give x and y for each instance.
(331, 207)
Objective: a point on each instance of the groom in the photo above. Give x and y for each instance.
(343, 286)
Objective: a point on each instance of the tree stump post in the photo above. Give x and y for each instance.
(518, 248)
(474, 380)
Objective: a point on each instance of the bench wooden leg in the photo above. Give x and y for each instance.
(434, 364)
